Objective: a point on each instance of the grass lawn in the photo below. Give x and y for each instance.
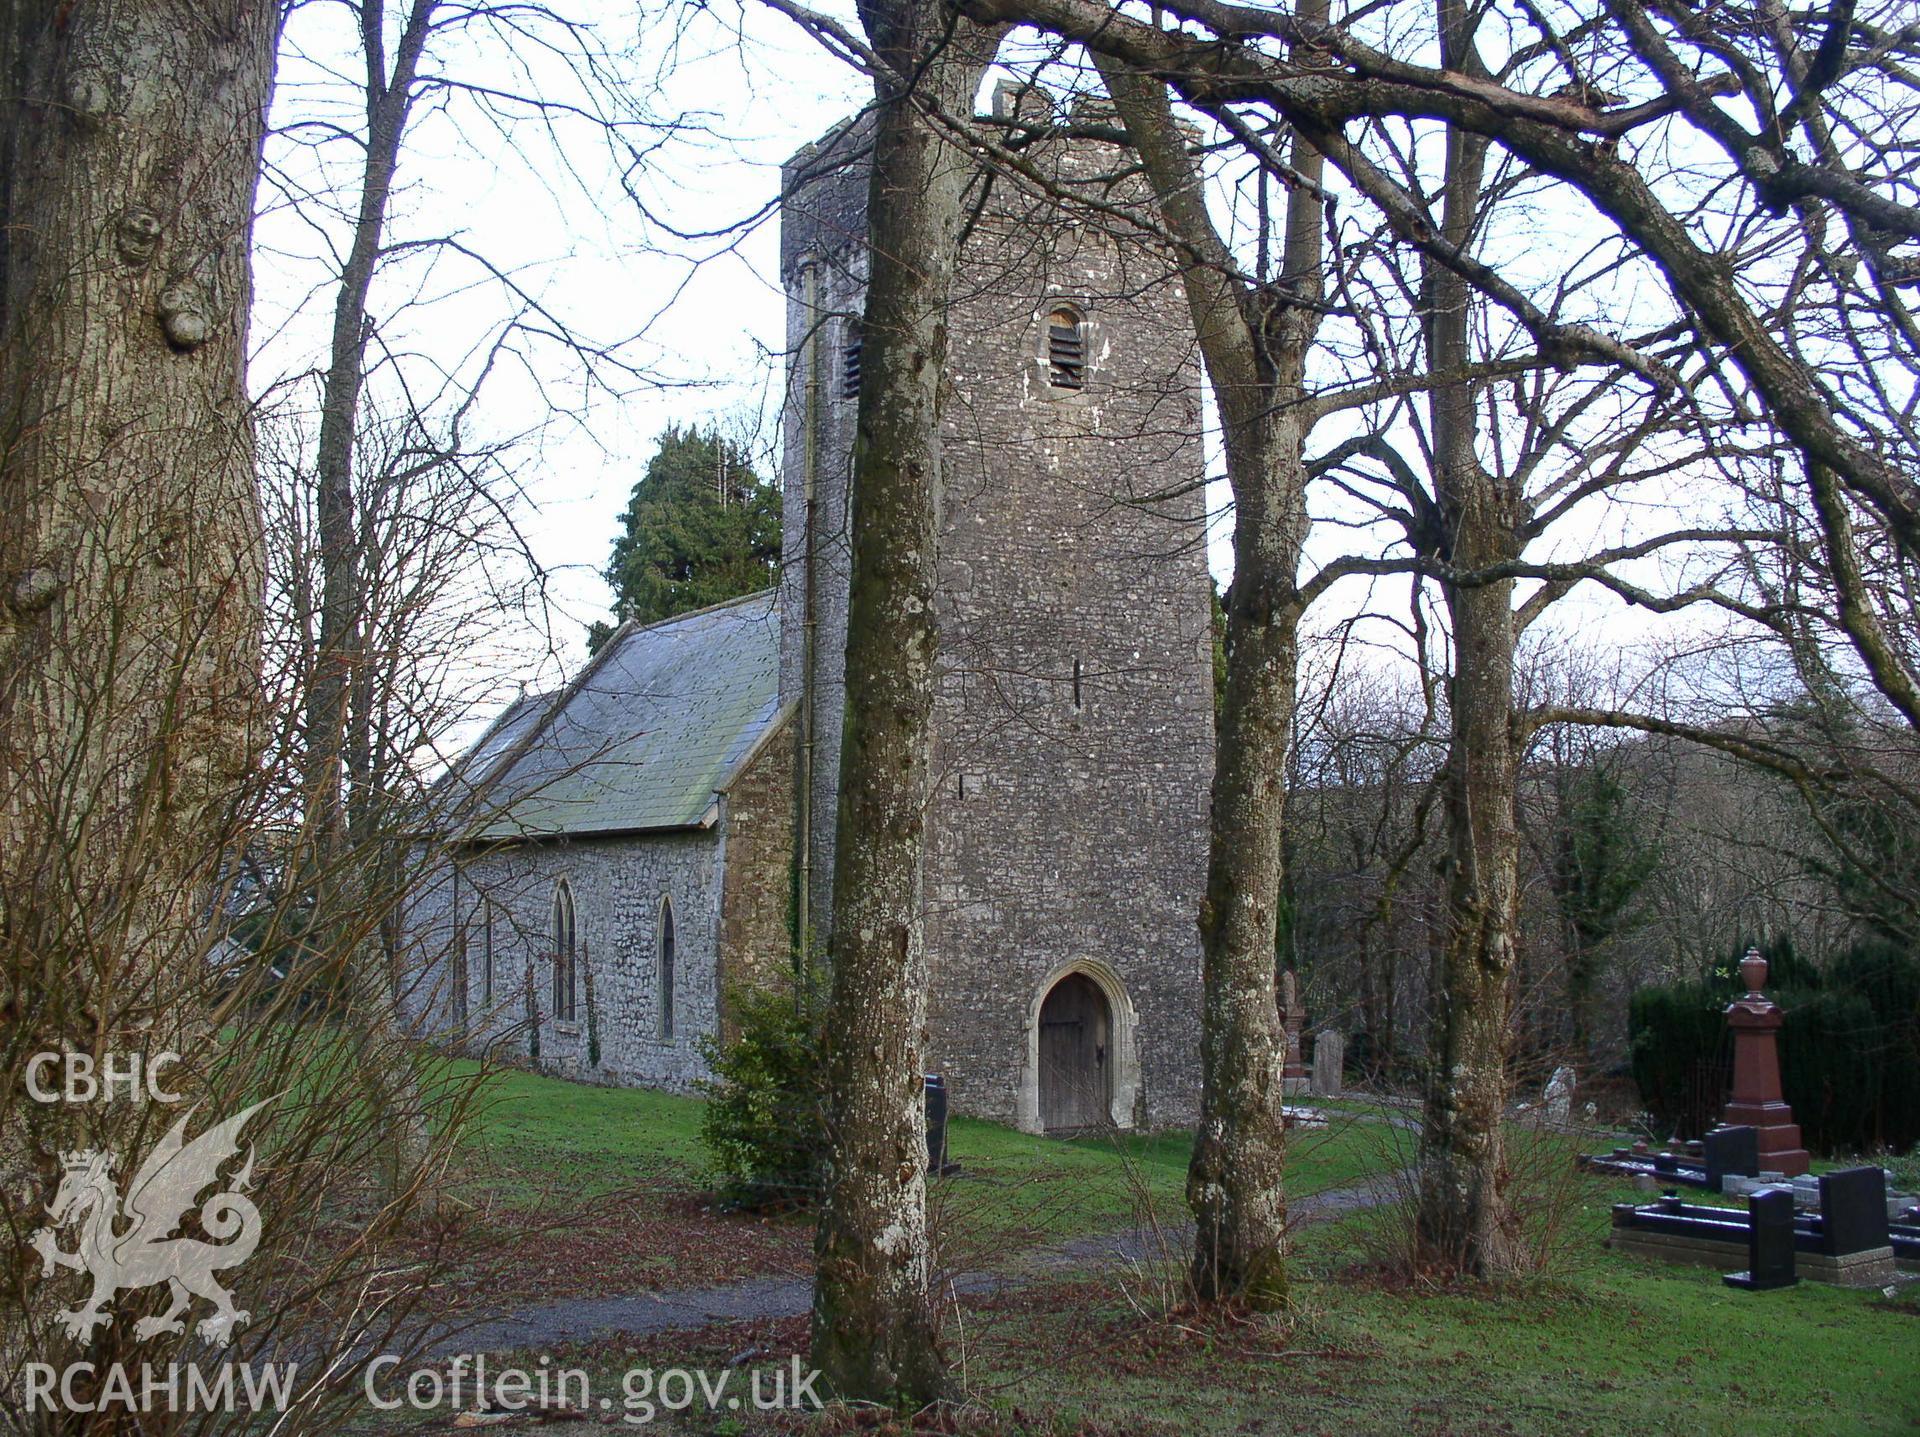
(1014, 1187)
(1606, 1344)
(1610, 1346)
(535, 1140)
(1620, 1346)
(528, 1130)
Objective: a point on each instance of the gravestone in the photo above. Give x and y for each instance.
(1293, 1019)
(1757, 1099)
(1731, 1152)
(1329, 1060)
(1769, 1242)
(1559, 1095)
(936, 1124)
(1853, 1211)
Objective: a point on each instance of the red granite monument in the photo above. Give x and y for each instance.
(1293, 1021)
(1757, 1101)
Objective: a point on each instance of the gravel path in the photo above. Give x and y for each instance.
(643, 1313)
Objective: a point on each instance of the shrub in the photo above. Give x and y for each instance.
(1888, 977)
(765, 1123)
(1905, 1169)
(1786, 969)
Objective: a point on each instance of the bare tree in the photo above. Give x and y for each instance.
(1462, 1215)
(1360, 851)
(339, 887)
(1254, 335)
(1790, 267)
(132, 722)
(390, 92)
(409, 54)
(873, 1331)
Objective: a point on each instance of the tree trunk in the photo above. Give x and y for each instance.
(1583, 997)
(1389, 1042)
(1254, 339)
(129, 526)
(335, 671)
(1463, 1220)
(1234, 1180)
(1369, 1005)
(343, 818)
(873, 1328)
(1464, 1224)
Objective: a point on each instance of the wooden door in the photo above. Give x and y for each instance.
(1075, 1030)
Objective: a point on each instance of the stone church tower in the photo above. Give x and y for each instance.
(1073, 722)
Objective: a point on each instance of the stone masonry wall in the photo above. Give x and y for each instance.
(757, 872)
(503, 899)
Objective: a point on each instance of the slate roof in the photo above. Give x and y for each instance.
(659, 722)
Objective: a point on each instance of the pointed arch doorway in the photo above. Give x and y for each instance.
(1076, 1056)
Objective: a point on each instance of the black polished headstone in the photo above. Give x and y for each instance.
(936, 1124)
(1853, 1211)
(1732, 1152)
(1769, 1242)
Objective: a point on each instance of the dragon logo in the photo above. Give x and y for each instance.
(143, 1254)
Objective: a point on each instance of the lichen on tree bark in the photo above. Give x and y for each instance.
(1254, 340)
(1462, 1220)
(873, 1322)
(129, 525)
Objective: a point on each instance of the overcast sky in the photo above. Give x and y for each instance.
(591, 240)
(703, 317)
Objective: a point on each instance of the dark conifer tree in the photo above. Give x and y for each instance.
(700, 527)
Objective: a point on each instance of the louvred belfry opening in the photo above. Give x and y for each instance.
(850, 365)
(1066, 350)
